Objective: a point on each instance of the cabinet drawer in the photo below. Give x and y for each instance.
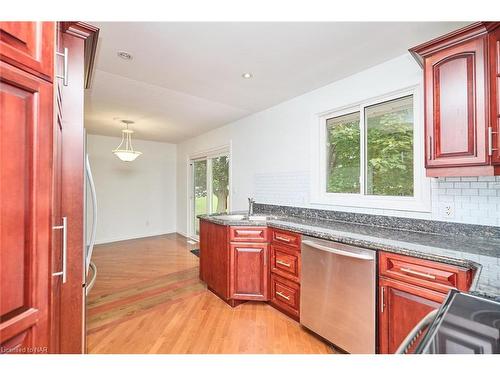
(285, 262)
(285, 295)
(248, 234)
(285, 238)
(433, 275)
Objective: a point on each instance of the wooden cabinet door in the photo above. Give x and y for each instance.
(401, 307)
(456, 106)
(249, 271)
(25, 204)
(29, 46)
(68, 181)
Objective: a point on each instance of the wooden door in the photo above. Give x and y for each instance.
(456, 106)
(249, 271)
(29, 46)
(25, 204)
(401, 307)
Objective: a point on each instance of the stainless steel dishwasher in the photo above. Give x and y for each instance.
(338, 293)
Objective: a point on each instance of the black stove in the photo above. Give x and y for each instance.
(465, 324)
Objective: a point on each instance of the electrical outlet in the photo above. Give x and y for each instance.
(447, 209)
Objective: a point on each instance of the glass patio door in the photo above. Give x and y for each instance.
(210, 188)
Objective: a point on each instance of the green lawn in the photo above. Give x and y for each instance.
(201, 204)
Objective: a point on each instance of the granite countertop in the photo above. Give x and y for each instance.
(460, 250)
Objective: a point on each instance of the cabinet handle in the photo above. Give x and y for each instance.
(426, 275)
(283, 263)
(490, 141)
(285, 239)
(382, 299)
(64, 76)
(64, 228)
(283, 296)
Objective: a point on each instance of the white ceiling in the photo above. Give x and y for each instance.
(185, 78)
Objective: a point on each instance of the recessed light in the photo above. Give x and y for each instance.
(124, 55)
(247, 75)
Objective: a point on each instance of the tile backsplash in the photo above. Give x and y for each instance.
(473, 200)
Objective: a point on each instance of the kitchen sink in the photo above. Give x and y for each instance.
(230, 217)
(244, 217)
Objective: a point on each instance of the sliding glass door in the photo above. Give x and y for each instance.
(210, 188)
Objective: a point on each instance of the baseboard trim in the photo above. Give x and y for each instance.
(134, 237)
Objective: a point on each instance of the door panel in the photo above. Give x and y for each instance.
(29, 46)
(401, 308)
(249, 271)
(25, 179)
(456, 109)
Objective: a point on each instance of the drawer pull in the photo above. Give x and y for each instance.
(427, 275)
(248, 232)
(283, 296)
(285, 239)
(283, 263)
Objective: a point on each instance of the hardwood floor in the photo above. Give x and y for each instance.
(148, 299)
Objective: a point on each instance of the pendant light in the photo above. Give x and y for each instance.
(126, 153)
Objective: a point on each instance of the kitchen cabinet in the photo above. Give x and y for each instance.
(234, 262)
(409, 288)
(29, 46)
(249, 271)
(461, 75)
(42, 138)
(402, 306)
(25, 175)
(214, 258)
(285, 272)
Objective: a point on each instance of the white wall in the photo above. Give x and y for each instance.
(271, 158)
(136, 199)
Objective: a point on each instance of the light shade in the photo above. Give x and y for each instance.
(127, 153)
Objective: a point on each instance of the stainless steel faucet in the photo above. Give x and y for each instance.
(251, 201)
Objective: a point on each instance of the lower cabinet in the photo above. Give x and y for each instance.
(249, 269)
(401, 307)
(235, 271)
(285, 295)
(410, 288)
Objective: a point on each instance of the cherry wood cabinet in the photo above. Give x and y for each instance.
(425, 273)
(285, 272)
(25, 204)
(285, 295)
(29, 46)
(409, 288)
(234, 269)
(402, 306)
(214, 257)
(41, 168)
(461, 101)
(249, 271)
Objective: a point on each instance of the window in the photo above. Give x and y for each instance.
(370, 155)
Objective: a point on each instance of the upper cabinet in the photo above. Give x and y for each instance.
(461, 79)
(29, 46)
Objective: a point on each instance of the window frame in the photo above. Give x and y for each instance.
(420, 201)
